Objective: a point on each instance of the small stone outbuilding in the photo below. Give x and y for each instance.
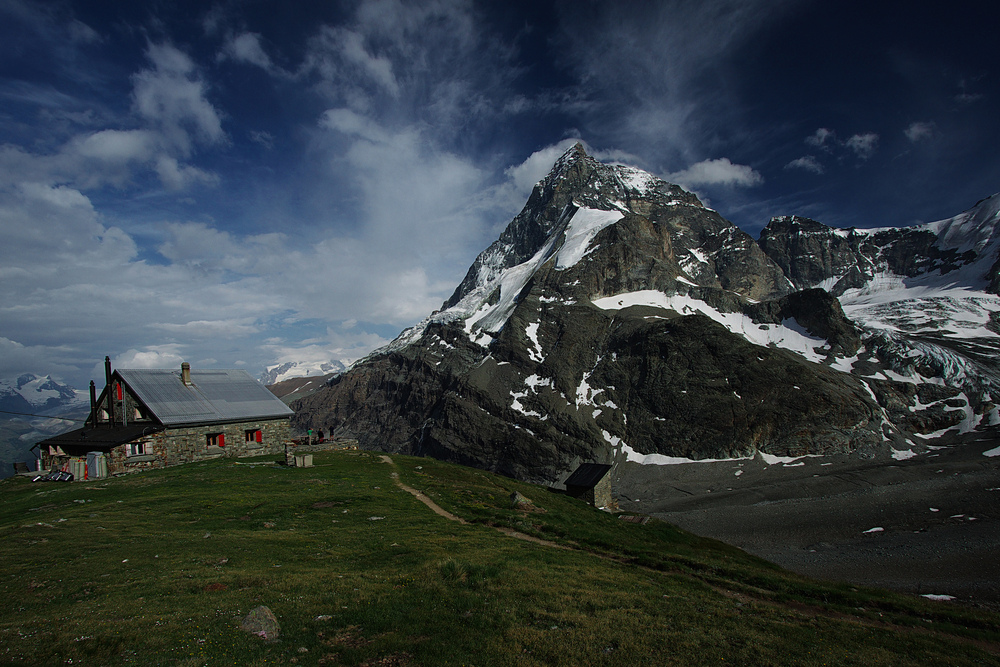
(591, 483)
(152, 418)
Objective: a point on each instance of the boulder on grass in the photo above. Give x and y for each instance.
(262, 622)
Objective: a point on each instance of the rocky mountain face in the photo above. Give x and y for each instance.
(619, 319)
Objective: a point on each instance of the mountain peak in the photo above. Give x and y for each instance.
(617, 319)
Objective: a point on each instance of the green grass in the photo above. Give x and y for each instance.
(160, 568)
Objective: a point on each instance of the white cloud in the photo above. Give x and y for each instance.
(717, 172)
(378, 68)
(246, 48)
(919, 130)
(48, 230)
(170, 100)
(336, 345)
(807, 163)
(422, 216)
(405, 64)
(968, 98)
(354, 125)
(82, 33)
(176, 176)
(16, 358)
(70, 281)
(525, 175)
(265, 139)
(822, 138)
(641, 70)
(207, 329)
(863, 145)
(158, 356)
(117, 146)
(172, 96)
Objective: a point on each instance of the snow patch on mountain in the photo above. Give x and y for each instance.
(660, 459)
(635, 179)
(569, 247)
(585, 224)
(535, 351)
(789, 335)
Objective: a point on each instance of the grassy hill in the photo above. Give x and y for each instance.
(160, 568)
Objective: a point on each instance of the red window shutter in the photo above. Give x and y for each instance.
(222, 440)
(260, 436)
(118, 388)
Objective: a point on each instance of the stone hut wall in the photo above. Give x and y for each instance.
(186, 445)
(601, 493)
(598, 495)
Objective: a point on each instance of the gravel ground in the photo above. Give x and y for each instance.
(926, 525)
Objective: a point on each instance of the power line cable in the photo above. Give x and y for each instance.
(29, 414)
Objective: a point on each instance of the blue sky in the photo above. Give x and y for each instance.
(243, 183)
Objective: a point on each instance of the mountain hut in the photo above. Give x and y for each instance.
(590, 482)
(152, 418)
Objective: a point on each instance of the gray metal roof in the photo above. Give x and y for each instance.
(212, 396)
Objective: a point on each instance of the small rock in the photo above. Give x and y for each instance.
(262, 622)
(517, 501)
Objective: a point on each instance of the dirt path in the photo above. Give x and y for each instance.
(419, 495)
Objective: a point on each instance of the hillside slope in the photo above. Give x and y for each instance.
(160, 568)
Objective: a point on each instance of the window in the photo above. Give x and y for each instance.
(216, 439)
(254, 436)
(137, 449)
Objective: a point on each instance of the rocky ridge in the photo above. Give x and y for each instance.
(618, 318)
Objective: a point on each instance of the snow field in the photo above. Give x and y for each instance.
(788, 335)
(583, 227)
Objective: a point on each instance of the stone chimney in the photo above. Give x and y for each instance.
(107, 388)
(186, 373)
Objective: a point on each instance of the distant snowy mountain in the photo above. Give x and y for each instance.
(31, 393)
(299, 369)
(29, 407)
